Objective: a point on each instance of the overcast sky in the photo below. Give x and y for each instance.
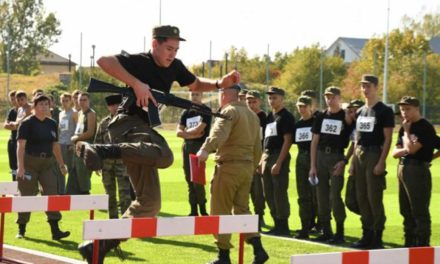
(113, 25)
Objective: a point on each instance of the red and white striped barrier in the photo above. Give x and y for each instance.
(170, 226)
(423, 255)
(21, 204)
(8, 188)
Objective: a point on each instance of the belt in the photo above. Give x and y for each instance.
(328, 150)
(304, 151)
(370, 148)
(407, 161)
(42, 155)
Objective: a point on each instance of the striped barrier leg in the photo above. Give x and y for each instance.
(170, 226)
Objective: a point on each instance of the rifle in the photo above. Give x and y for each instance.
(97, 86)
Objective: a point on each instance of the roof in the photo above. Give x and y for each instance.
(54, 59)
(435, 45)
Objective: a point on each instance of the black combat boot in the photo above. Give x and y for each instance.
(260, 255)
(338, 238)
(202, 208)
(21, 231)
(377, 240)
(57, 234)
(365, 241)
(327, 233)
(93, 154)
(86, 249)
(223, 257)
(193, 210)
(283, 228)
(304, 232)
(274, 230)
(422, 241)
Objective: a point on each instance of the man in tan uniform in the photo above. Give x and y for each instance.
(238, 150)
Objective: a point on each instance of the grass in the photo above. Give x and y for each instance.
(200, 249)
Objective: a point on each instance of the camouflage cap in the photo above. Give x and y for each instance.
(235, 86)
(409, 100)
(253, 94)
(243, 91)
(276, 90)
(304, 100)
(167, 32)
(333, 90)
(355, 103)
(370, 78)
(113, 99)
(309, 93)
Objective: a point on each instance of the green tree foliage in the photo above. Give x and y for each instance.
(405, 65)
(28, 31)
(302, 71)
(429, 25)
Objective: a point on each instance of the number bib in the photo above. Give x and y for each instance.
(193, 122)
(303, 134)
(271, 130)
(365, 123)
(331, 126)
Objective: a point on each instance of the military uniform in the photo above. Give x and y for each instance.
(12, 143)
(275, 186)
(257, 192)
(333, 131)
(79, 181)
(196, 192)
(113, 172)
(302, 136)
(39, 135)
(415, 182)
(66, 128)
(370, 124)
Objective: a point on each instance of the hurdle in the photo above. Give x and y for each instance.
(421, 255)
(21, 204)
(169, 226)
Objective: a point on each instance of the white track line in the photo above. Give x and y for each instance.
(43, 254)
(306, 241)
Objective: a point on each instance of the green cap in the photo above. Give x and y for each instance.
(253, 94)
(304, 100)
(276, 90)
(355, 103)
(309, 93)
(409, 100)
(167, 32)
(235, 86)
(333, 90)
(370, 78)
(243, 91)
(113, 99)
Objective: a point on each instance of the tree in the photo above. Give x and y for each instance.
(429, 25)
(27, 32)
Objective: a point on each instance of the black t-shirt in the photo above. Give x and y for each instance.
(143, 67)
(370, 123)
(302, 135)
(12, 117)
(39, 135)
(277, 126)
(332, 129)
(423, 132)
(263, 121)
(191, 118)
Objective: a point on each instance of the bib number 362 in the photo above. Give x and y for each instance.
(331, 126)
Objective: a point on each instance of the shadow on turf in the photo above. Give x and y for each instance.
(66, 244)
(162, 241)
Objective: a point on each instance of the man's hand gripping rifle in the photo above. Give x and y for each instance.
(97, 86)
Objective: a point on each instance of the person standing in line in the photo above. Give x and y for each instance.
(194, 129)
(237, 146)
(327, 162)
(374, 130)
(79, 182)
(66, 126)
(414, 149)
(253, 101)
(11, 117)
(113, 171)
(275, 161)
(302, 136)
(37, 146)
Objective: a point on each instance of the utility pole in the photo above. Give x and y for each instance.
(385, 67)
(267, 67)
(425, 70)
(93, 55)
(321, 78)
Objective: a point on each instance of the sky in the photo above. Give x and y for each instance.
(256, 25)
